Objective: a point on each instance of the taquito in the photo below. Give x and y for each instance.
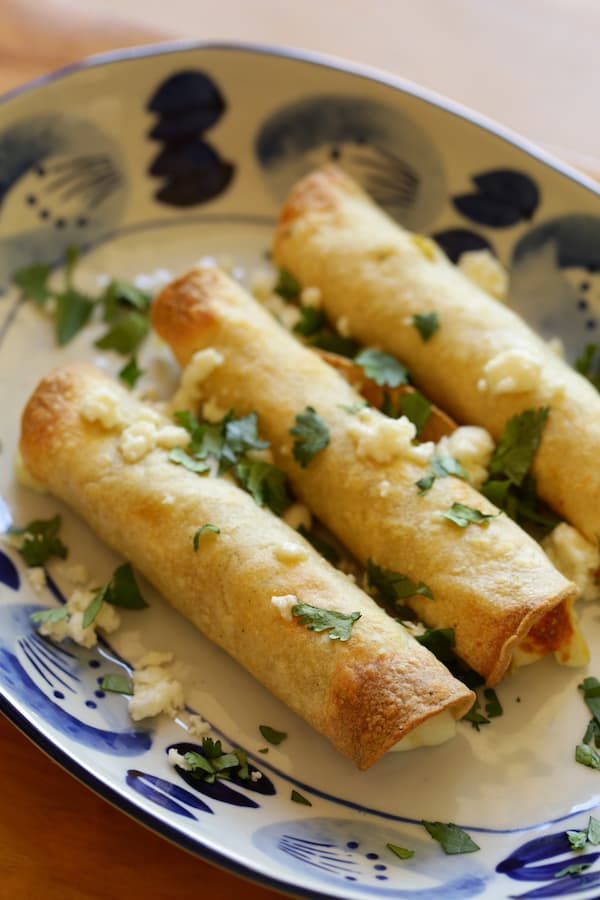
(238, 586)
(491, 583)
(482, 365)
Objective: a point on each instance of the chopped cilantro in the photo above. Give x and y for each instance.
(121, 296)
(339, 625)
(93, 607)
(426, 324)
(73, 311)
(400, 852)
(300, 798)
(440, 467)
(439, 641)
(311, 321)
(200, 531)
(593, 830)
(517, 446)
(463, 515)
(121, 590)
(451, 838)
(590, 688)
(587, 756)
(271, 735)
(392, 586)
(182, 458)
(382, 368)
(475, 717)
(56, 614)
(353, 408)
(40, 541)
(33, 282)
(126, 333)
(329, 340)
(588, 364)
(242, 435)
(287, 286)
(118, 684)
(312, 435)
(415, 407)
(326, 549)
(577, 839)
(493, 707)
(211, 762)
(265, 482)
(131, 372)
(572, 869)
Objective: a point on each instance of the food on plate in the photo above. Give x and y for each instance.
(480, 363)
(444, 548)
(243, 577)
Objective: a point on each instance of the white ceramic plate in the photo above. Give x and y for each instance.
(152, 160)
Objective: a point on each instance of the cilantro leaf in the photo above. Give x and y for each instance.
(475, 717)
(55, 614)
(125, 334)
(182, 458)
(93, 607)
(73, 311)
(330, 340)
(211, 762)
(326, 549)
(339, 625)
(451, 838)
(577, 839)
(287, 286)
(393, 586)
(131, 372)
(382, 368)
(200, 531)
(72, 254)
(463, 515)
(40, 541)
(121, 296)
(297, 797)
(265, 482)
(572, 869)
(593, 830)
(588, 364)
(312, 435)
(311, 321)
(439, 641)
(118, 684)
(33, 282)
(426, 324)
(122, 589)
(440, 467)
(271, 735)
(590, 688)
(517, 445)
(587, 756)
(416, 408)
(493, 707)
(242, 435)
(353, 408)
(400, 852)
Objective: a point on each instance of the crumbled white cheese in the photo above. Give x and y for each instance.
(153, 281)
(343, 326)
(290, 552)
(201, 365)
(575, 557)
(311, 296)
(212, 412)
(170, 436)
(108, 620)
(284, 603)
(101, 404)
(486, 271)
(137, 440)
(155, 689)
(382, 439)
(194, 724)
(287, 314)
(384, 488)
(37, 578)
(511, 372)
(255, 776)
(297, 515)
(472, 447)
(175, 758)
(154, 658)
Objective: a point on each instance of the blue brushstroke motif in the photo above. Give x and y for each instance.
(8, 572)
(164, 793)
(188, 104)
(456, 241)
(562, 887)
(523, 865)
(503, 198)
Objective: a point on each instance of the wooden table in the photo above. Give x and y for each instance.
(57, 839)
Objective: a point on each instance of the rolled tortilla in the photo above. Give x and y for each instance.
(492, 584)
(364, 694)
(483, 365)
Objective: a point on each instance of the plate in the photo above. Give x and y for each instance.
(148, 161)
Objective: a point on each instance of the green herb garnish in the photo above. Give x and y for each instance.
(212, 762)
(271, 735)
(493, 707)
(33, 282)
(312, 435)
(426, 324)
(591, 834)
(382, 368)
(118, 684)
(392, 586)
(131, 372)
(40, 541)
(121, 590)
(265, 482)
(415, 407)
(463, 515)
(572, 869)
(517, 446)
(56, 614)
(440, 642)
(339, 625)
(311, 321)
(451, 838)
(287, 285)
(300, 798)
(326, 549)
(400, 852)
(440, 467)
(200, 531)
(588, 364)
(329, 340)
(587, 756)
(126, 334)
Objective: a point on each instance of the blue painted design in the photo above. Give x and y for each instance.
(382, 148)
(62, 182)
(188, 104)
(549, 264)
(54, 684)
(164, 793)
(221, 790)
(348, 853)
(456, 241)
(503, 198)
(8, 572)
(524, 865)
